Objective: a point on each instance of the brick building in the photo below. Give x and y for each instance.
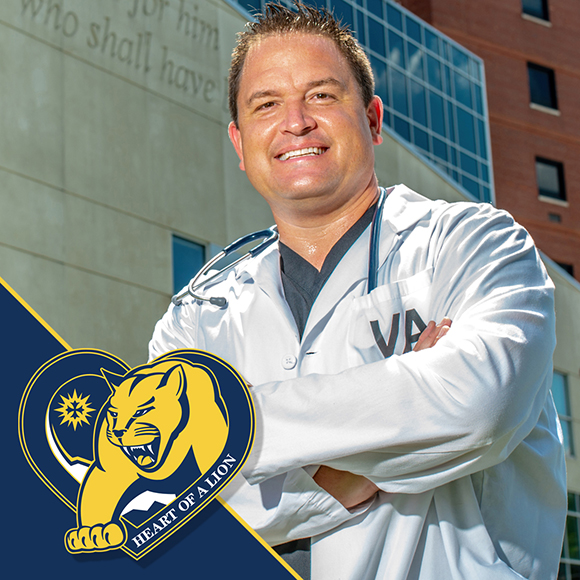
(530, 49)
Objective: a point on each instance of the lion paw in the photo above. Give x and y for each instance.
(95, 538)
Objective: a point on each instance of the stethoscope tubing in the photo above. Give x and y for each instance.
(269, 236)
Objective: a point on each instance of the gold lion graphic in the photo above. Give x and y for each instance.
(156, 416)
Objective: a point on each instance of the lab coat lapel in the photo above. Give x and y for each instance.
(350, 275)
(264, 271)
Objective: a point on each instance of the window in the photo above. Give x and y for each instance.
(567, 268)
(188, 258)
(550, 178)
(542, 86)
(570, 562)
(537, 8)
(560, 394)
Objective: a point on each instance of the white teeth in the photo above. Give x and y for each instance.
(301, 152)
(150, 447)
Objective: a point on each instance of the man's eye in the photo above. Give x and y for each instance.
(268, 105)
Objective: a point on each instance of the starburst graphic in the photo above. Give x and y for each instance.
(75, 409)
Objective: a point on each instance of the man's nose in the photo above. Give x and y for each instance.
(297, 119)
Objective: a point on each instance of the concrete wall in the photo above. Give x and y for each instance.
(567, 356)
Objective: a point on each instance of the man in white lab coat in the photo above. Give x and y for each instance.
(400, 457)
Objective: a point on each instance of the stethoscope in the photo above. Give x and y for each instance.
(268, 237)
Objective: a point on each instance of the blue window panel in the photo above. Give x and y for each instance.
(437, 114)
(462, 89)
(415, 62)
(376, 37)
(478, 99)
(317, 3)
(482, 139)
(376, 7)
(343, 12)
(466, 130)
(360, 2)
(486, 194)
(560, 393)
(387, 119)
(453, 156)
(440, 149)
(394, 17)
(434, 72)
(360, 31)
(399, 91)
(188, 258)
(451, 122)
(413, 29)
(470, 185)
(447, 88)
(402, 128)
(251, 6)
(432, 42)
(460, 59)
(421, 138)
(469, 164)
(484, 172)
(396, 49)
(418, 102)
(474, 69)
(455, 175)
(380, 70)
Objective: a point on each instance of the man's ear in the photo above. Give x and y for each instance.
(375, 118)
(236, 139)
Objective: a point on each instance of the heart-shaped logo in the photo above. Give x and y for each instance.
(135, 453)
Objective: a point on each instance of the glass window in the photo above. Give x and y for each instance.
(377, 37)
(462, 89)
(399, 92)
(413, 29)
(420, 138)
(437, 114)
(396, 49)
(570, 562)
(418, 101)
(542, 86)
(415, 60)
(567, 268)
(380, 70)
(562, 401)
(188, 258)
(344, 12)
(376, 7)
(550, 178)
(434, 72)
(466, 130)
(432, 42)
(394, 17)
(537, 8)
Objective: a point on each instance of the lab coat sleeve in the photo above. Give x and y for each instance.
(416, 421)
(287, 507)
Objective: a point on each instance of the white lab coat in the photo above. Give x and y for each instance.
(462, 439)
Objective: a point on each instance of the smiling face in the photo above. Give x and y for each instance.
(304, 136)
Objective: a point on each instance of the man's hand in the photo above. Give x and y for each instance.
(350, 489)
(431, 335)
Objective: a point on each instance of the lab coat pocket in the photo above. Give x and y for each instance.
(390, 319)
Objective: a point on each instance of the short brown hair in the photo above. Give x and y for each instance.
(278, 19)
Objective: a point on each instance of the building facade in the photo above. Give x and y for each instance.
(530, 49)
